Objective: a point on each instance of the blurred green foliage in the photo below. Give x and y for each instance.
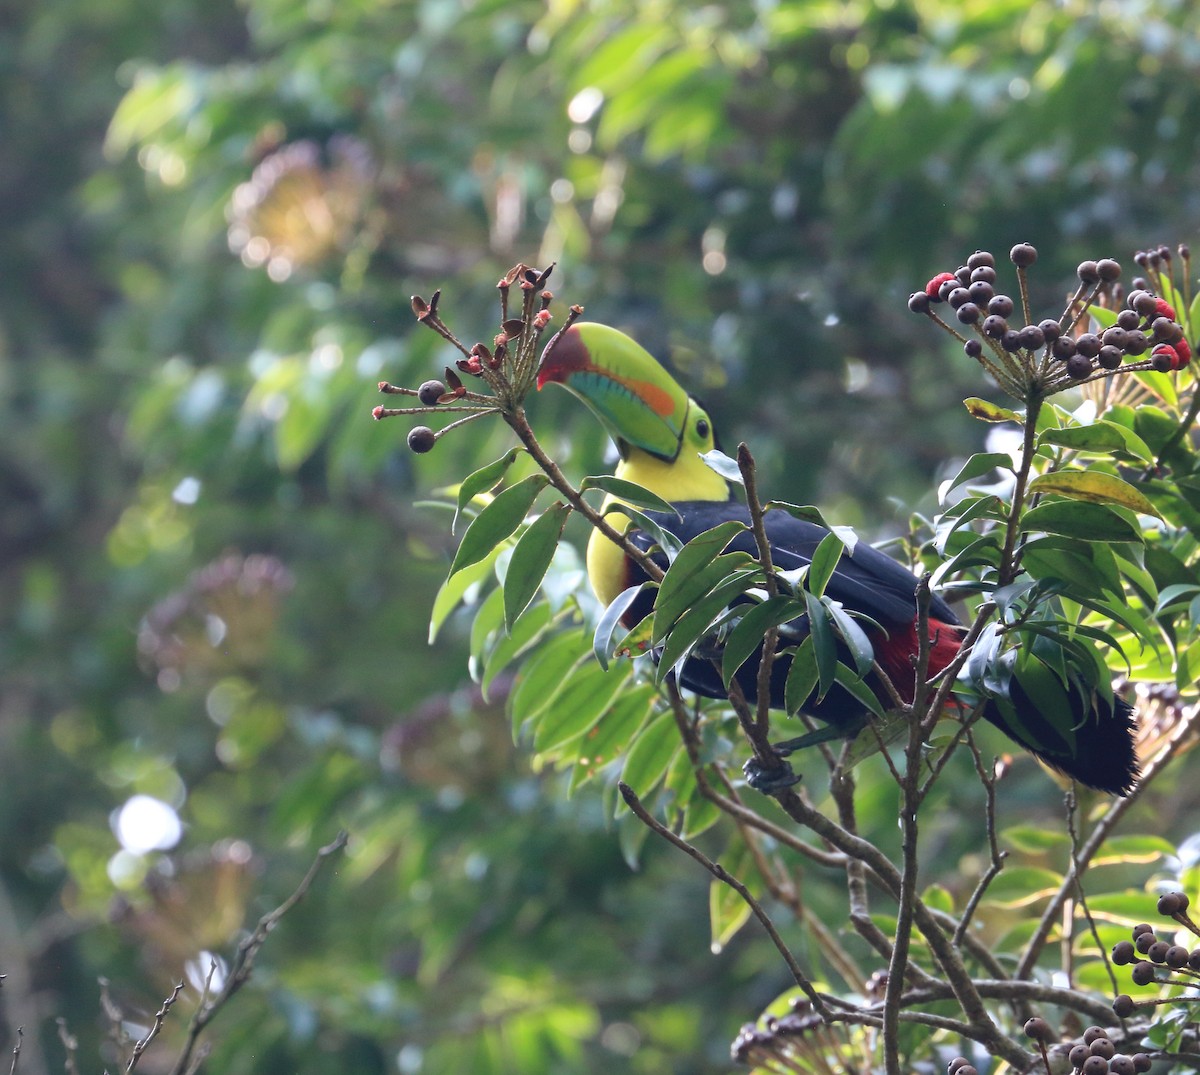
(214, 580)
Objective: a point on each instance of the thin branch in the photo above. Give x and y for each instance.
(243, 964)
(721, 874)
(159, 1017)
(16, 1056)
(988, 781)
(1081, 896)
(766, 662)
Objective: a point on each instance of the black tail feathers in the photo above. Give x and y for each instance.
(1099, 749)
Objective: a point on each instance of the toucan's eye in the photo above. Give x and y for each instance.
(701, 428)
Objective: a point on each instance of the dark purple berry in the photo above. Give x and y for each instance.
(1115, 337)
(1088, 344)
(1163, 328)
(1121, 1064)
(1140, 281)
(1001, 305)
(1077, 1056)
(1088, 272)
(973, 348)
(1092, 1033)
(981, 291)
(430, 392)
(1140, 928)
(984, 274)
(1164, 358)
(1136, 342)
(1157, 952)
(1128, 319)
(1143, 941)
(1141, 1063)
(1123, 1008)
(1123, 953)
(1051, 329)
(1063, 347)
(1109, 270)
(1095, 1065)
(1143, 302)
(1011, 341)
(955, 1064)
(958, 296)
(1032, 338)
(918, 302)
(1168, 903)
(968, 313)
(994, 326)
(1079, 367)
(1102, 1047)
(1142, 973)
(1110, 357)
(1023, 255)
(421, 439)
(1177, 957)
(1194, 959)
(963, 275)
(1038, 1029)
(1142, 258)
(980, 259)
(946, 287)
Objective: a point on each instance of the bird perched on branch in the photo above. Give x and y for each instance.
(1082, 730)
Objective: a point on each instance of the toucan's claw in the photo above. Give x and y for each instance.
(769, 781)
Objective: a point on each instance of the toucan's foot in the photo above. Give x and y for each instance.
(770, 780)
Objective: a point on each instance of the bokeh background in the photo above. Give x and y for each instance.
(215, 569)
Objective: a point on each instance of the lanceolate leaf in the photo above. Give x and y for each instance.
(627, 492)
(990, 412)
(528, 629)
(824, 563)
(584, 698)
(705, 614)
(610, 622)
(497, 521)
(976, 467)
(1081, 519)
(610, 735)
(824, 642)
(802, 677)
(853, 635)
(482, 480)
(543, 676)
(1101, 437)
(688, 578)
(530, 559)
(723, 465)
(747, 636)
(650, 755)
(453, 590)
(1094, 486)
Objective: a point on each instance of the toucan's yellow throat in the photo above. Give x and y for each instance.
(659, 431)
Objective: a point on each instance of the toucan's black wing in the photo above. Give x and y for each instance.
(865, 581)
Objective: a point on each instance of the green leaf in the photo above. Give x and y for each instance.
(610, 735)
(1094, 486)
(543, 676)
(497, 521)
(1102, 438)
(824, 642)
(610, 621)
(488, 618)
(650, 755)
(481, 481)
(938, 898)
(584, 698)
(802, 677)
(704, 615)
(627, 492)
(455, 588)
(824, 562)
(528, 629)
(689, 575)
(853, 635)
(1081, 519)
(1033, 840)
(727, 911)
(531, 558)
(853, 683)
(1021, 886)
(748, 635)
(976, 467)
(986, 411)
(1133, 851)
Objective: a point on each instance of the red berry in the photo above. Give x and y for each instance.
(1164, 309)
(1184, 350)
(931, 288)
(1165, 358)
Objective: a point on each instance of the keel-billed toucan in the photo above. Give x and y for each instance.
(661, 435)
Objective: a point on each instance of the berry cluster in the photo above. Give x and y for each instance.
(1035, 359)
(507, 369)
(1147, 954)
(1093, 1054)
(798, 1042)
